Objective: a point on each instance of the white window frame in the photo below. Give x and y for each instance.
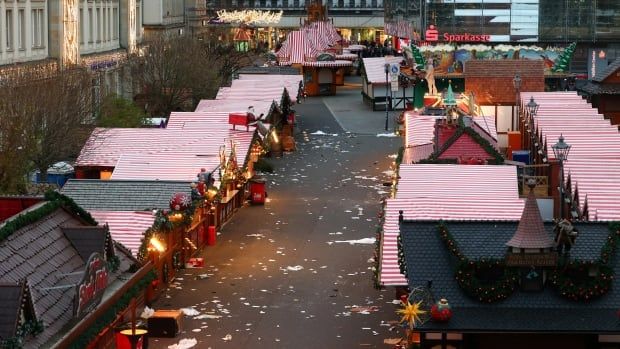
(9, 30)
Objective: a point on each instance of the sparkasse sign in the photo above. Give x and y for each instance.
(432, 34)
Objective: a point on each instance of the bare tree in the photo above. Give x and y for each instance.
(44, 121)
(177, 72)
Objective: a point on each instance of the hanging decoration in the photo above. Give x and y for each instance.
(441, 311)
(251, 17)
(180, 202)
(411, 314)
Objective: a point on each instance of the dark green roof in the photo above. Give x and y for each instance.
(428, 259)
(123, 195)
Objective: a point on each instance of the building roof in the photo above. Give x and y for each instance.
(374, 68)
(427, 259)
(126, 227)
(270, 70)
(123, 195)
(449, 192)
(466, 139)
(87, 240)
(592, 161)
(10, 305)
(602, 75)
(297, 48)
(595, 88)
(531, 231)
(42, 254)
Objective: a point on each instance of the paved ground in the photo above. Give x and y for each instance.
(285, 275)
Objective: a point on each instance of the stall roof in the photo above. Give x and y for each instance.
(126, 227)
(235, 106)
(164, 165)
(124, 195)
(375, 68)
(448, 192)
(594, 158)
(322, 34)
(296, 48)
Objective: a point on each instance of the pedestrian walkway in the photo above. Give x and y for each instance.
(297, 272)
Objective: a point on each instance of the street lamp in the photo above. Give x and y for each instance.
(560, 151)
(532, 107)
(387, 89)
(516, 82)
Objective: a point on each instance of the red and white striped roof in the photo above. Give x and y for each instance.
(251, 94)
(328, 64)
(594, 158)
(402, 29)
(291, 82)
(375, 68)
(322, 32)
(448, 192)
(234, 106)
(165, 165)
(347, 56)
(419, 129)
(296, 48)
(126, 227)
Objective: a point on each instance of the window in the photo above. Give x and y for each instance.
(98, 25)
(91, 25)
(9, 29)
(37, 28)
(105, 25)
(115, 23)
(21, 29)
(81, 21)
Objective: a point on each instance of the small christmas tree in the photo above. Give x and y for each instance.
(417, 56)
(562, 63)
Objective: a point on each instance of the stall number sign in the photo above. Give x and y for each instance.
(90, 290)
(394, 73)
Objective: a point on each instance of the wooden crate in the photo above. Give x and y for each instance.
(165, 323)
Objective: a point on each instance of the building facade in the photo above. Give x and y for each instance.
(357, 20)
(97, 34)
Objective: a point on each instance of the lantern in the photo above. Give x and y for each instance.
(180, 202)
(441, 311)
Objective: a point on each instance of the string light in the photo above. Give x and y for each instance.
(250, 16)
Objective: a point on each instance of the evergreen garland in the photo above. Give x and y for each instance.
(434, 158)
(54, 201)
(86, 337)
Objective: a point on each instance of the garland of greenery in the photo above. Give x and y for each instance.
(399, 156)
(114, 263)
(86, 337)
(486, 292)
(402, 263)
(29, 328)
(465, 273)
(161, 224)
(498, 158)
(590, 287)
(54, 201)
(377, 254)
(432, 160)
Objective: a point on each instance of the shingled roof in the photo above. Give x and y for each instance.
(40, 253)
(10, 305)
(428, 259)
(602, 75)
(87, 240)
(123, 195)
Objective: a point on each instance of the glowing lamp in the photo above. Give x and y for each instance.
(157, 244)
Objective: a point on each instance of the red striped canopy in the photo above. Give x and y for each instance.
(126, 227)
(448, 192)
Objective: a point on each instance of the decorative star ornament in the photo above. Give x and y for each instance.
(411, 313)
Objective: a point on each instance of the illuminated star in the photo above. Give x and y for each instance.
(411, 313)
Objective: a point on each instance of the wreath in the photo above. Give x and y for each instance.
(486, 291)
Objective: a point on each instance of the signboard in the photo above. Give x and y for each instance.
(394, 86)
(549, 259)
(394, 73)
(432, 35)
(94, 282)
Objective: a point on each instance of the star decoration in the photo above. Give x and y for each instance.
(411, 313)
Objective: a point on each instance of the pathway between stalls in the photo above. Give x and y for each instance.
(284, 275)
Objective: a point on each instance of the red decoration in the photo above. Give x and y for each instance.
(441, 311)
(180, 202)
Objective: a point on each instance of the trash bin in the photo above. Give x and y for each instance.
(257, 191)
(124, 337)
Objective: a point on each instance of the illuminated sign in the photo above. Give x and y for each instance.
(432, 35)
(93, 284)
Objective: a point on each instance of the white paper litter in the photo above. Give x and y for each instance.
(147, 313)
(387, 135)
(190, 311)
(207, 316)
(184, 343)
(227, 337)
(295, 268)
